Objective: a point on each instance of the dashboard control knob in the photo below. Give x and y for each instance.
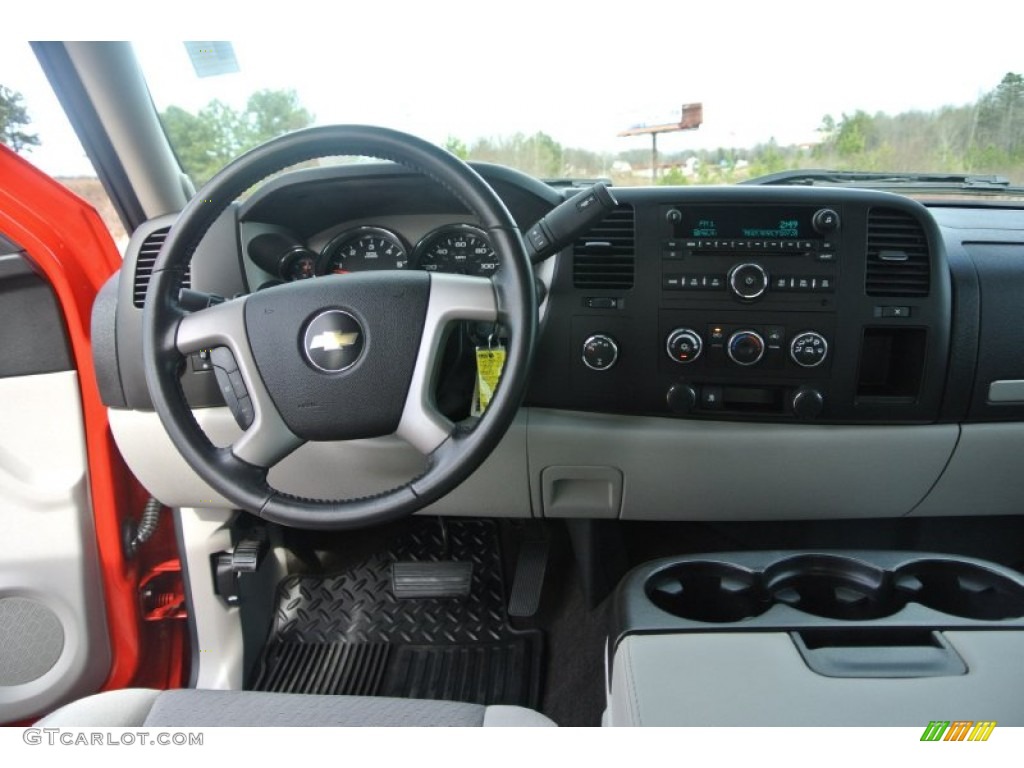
(674, 216)
(600, 352)
(745, 347)
(808, 349)
(807, 403)
(684, 345)
(681, 398)
(825, 221)
(748, 281)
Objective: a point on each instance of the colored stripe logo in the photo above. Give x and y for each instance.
(958, 730)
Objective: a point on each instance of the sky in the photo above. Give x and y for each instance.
(581, 72)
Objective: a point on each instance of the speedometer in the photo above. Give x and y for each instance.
(364, 249)
(459, 249)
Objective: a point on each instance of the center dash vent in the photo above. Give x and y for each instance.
(604, 256)
(898, 262)
(148, 252)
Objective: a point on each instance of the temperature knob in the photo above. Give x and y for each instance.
(745, 347)
(808, 349)
(684, 345)
(600, 352)
(748, 281)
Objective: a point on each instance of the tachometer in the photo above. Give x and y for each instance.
(459, 249)
(363, 249)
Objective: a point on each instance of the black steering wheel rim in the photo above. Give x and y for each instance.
(245, 484)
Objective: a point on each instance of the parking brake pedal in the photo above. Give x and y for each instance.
(229, 567)
(529, 579)
(449, 579)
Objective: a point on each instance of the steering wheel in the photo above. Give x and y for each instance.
(339, 357)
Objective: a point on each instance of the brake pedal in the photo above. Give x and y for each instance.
(449, 579)
(528, 582)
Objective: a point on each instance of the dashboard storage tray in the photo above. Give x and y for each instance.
(780, 590)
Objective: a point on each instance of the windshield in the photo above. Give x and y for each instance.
(658, 93)
(891, 90)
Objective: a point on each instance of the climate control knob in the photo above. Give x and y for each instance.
(600, 352)
(808, 349)
(748, 281)
(684, 345)
(745, 348)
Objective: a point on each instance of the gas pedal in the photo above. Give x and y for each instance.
(528, 582)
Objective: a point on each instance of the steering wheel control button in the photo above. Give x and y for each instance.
(745, 348)
(684, 345)
(244, 413)
(808, 349)
(600, 352)
(334, 341)
(231, 386)
(748, 281)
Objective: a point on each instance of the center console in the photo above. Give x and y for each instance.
(817, 638)
(756, 303)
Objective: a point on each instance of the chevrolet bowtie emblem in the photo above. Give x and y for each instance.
(332, 340)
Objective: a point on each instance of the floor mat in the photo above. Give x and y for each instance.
(348, 634)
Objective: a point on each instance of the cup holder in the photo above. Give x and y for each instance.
(833, 587)
(961, 589)
(836, 587)
(708, 591)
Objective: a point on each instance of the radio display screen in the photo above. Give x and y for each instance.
(771, 222)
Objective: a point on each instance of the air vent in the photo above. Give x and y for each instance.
(148, 252)
(898, 263)
(603, 258)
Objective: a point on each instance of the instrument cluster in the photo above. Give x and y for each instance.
(453, 248)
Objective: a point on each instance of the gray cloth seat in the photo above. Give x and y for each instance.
(198, 708)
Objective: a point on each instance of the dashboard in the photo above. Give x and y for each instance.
(738, 352)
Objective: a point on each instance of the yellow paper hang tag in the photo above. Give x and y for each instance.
(489, 363)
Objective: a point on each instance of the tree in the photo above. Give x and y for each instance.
(13, 118)
(539, 154)
(211, 138)
(457, 147)
(856, 134)
(274, 113)
(1001, 117)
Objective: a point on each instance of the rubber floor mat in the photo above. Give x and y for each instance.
(347, 633)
